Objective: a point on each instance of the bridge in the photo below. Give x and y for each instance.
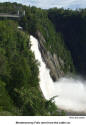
(6, 15)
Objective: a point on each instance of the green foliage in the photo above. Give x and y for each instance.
(6, 104)
(19, 82)
(18, 67)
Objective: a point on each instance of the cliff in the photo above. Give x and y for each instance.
(61, 48)
(53, 62)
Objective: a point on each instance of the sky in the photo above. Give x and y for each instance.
(45, 4)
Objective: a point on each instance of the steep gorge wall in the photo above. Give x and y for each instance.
(72, 25)
(53, 62)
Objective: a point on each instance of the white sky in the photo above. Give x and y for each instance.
(73, 4)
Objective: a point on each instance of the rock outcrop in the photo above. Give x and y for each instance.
(53, 62)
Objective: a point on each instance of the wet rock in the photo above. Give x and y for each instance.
(53, 62)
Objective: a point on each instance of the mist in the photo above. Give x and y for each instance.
(69, 92)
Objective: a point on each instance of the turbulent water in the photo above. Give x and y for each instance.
(70, 93)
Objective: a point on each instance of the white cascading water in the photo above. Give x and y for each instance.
(70, 93)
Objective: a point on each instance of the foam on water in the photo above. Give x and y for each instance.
(71, 93)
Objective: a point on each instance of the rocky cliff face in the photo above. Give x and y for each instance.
(53, 62)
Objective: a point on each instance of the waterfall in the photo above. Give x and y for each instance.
(70, 93)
